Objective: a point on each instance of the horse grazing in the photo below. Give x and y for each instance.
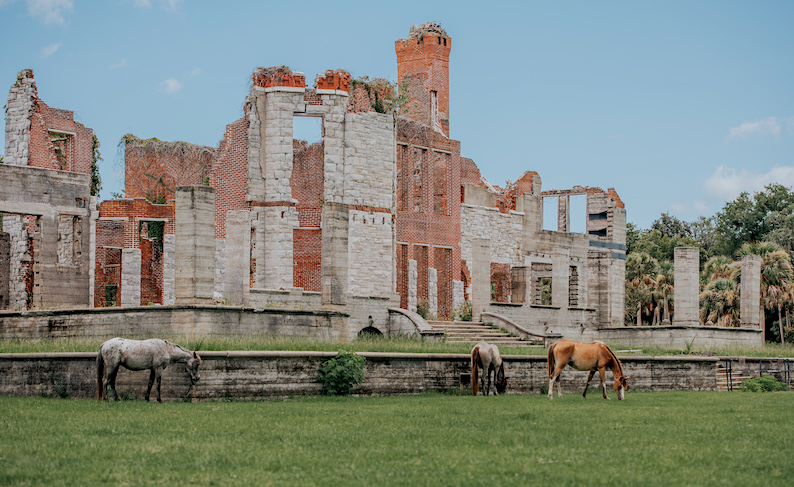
(585, 356)
(486, 357)
(154, 354)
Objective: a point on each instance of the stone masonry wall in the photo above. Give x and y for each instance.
(20, 107)
(264, 375)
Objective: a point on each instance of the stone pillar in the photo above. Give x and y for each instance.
(519, 284)
(5, 269)
(19, 109)
(750, 306)
(687, 286)
(169, 243)
(238, 256)
(560, 272)
(130, 277)
(413, 277)
(563, 213)
(432, 291)
(195, 245)
(480, 276)
(334, 256)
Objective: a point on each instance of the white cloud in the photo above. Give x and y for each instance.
(770, 126)
(195, 72)
(693, 208)
(169, 86)
(50, 11)
(120, 64)
(171, 5)
(727, 183)
(50, 50)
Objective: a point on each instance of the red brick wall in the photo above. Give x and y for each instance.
(76, 151)
(154, 169)
(308, 187)
(423, 62)
(229, 174)
(108, 260)
(151, 272)
(428, 207)
(402, 274)
(307, 247)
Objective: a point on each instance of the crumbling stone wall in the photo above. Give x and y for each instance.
(20, 260)
(5, 268)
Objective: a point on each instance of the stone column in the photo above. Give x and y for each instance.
(560, 272)
(563, 213)
(687, 286)
(238, 256)
(750, 305)
(195, 245)
(334, 253)
(519, 283)
(130, 277)
(169, 244)
(480, 276)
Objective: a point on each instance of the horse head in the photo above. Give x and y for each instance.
(621, 385)
(501, 380)
(192, 366)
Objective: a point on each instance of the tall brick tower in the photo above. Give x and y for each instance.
(423, 65)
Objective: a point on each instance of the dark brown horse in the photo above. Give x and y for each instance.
(487, 357)
(588, 357)
(154, 354)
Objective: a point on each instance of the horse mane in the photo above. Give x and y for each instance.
(615, 358)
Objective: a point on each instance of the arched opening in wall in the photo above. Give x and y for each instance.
(550, 213)
(500, 283)
(577, 213)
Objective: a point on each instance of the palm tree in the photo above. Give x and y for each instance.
(719, 302)
(665, 287)
(641, 269)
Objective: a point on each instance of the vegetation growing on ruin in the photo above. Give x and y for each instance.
(162, 165)
(658, 438)
(384, 96)
(96, 179)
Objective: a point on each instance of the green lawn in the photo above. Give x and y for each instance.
(672, 438)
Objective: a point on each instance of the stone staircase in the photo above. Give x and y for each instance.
(737, 376)
(471, 332)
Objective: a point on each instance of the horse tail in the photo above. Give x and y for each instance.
(552, 362)
(475, 366)
(100, 371)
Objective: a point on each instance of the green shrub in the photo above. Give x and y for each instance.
(339, 374)
(765, 383)
(462, 312)
(422, 308)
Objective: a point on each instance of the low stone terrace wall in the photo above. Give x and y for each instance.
(149, 321)
(264, 375)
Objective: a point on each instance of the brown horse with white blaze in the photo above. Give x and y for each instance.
(487, 357)
(591, 357)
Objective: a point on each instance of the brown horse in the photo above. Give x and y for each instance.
(154, 355)
(486, 357)
(585, 356)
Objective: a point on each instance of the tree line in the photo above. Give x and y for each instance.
(759, 224)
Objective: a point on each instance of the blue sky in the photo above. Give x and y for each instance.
(677, 105)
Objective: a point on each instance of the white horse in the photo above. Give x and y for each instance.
(487, 357)
(154, 354)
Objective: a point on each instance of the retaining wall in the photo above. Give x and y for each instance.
(263, 375)
(188, 320)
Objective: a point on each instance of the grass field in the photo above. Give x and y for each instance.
(386, 344)
(671, 438)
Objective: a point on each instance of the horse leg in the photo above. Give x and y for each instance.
(488, 382)
(555, 377)
(602, 373)
(112, 382)
(159, 377)
(151, 381)
(589, 378)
